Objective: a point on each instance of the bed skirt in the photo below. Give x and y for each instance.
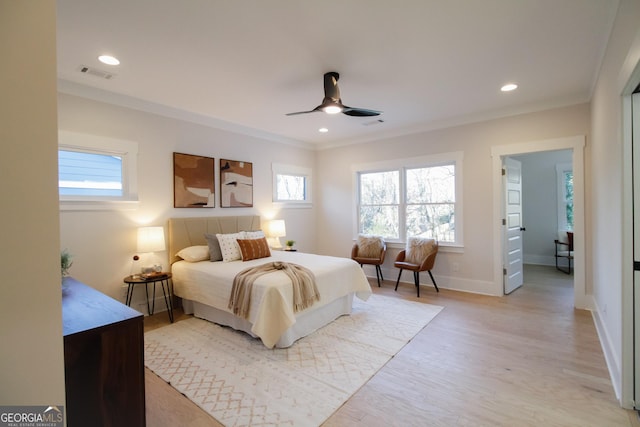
(306, 322)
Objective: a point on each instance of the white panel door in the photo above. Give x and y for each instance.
(636, 242)
(513, 256)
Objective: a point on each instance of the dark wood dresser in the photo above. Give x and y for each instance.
(103, 359)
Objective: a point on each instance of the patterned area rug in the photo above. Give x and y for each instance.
(240, 382)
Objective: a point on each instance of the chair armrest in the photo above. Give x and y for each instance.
(384, 253)
(401, 255)
(429, 261)
(354, 251)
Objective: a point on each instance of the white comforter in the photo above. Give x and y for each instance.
(271, 311)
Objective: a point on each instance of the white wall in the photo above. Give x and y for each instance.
(540, 204)
(336, 224)
(103, 242)
(31, 352)
(606, 178)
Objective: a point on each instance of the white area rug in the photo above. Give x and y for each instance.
(240, 382)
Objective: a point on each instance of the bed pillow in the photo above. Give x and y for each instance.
(253, 234)
(194, 253)
(215, 254)
(369, 246)
(418, 248)
(254, 248)
(229, 246)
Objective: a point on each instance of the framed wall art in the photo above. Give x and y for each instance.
(236, 184)
(193, 181)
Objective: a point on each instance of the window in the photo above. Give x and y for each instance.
(565, 196)
(380, 203)
(95, 172)
(291, 185)
(89, 174)
(412, 197)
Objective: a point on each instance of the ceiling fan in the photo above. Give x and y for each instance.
(332, 104)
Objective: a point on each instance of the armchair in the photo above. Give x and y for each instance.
(370, 250)
(420, 255)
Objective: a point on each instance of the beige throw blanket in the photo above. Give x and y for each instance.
(305, 291)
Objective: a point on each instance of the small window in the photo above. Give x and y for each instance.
(291, 185)
(89, 174)
(565, 196)
(96, 172)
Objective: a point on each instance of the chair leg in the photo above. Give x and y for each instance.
(398, 281)
(433, 280)
(416, 280)
(379, 274)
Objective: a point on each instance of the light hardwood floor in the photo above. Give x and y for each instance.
(527, 359)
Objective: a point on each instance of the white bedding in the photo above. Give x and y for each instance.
(271, 312)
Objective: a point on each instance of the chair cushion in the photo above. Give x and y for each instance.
(406, 265)
(418, 249)
(363, 260)
(369, 246)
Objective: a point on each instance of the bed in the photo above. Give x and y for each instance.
(205, 286)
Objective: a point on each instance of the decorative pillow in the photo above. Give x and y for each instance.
(229, 246)
(214, 247)
(418, 248)
(194, 253)
(254, 248)
(253, 234)
(369, 246)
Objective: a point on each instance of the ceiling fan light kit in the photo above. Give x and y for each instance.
(332, 103)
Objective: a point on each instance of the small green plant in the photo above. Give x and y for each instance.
(65, 262)
(290, 243)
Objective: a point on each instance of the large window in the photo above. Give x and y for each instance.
(291, 185)
(413, 197)
(95, 172)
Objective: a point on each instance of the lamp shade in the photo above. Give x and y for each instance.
(151, 239)
(276, 228)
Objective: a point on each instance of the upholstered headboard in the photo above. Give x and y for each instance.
(185, 232)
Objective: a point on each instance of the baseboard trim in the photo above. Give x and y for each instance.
(481, 287)
(608, 349)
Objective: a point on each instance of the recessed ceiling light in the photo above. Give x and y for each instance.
(509, 87)
(108, 59)
(323, 130)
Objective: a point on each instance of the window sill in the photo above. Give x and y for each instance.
(98, 205)
(443, 247)
(293, 205)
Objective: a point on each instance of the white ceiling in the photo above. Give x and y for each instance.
(244, 64)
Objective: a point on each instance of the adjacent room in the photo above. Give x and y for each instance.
(361, 213)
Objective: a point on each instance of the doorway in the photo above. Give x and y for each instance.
(576, 145)
(547, 206)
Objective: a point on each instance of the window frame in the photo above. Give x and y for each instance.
(401, 165)
(291, 170)
(92, 144)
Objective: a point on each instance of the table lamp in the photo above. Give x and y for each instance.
(275, 230)
(151, 239)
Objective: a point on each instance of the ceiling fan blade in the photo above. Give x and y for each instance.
(360, 112)
(304, 112)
